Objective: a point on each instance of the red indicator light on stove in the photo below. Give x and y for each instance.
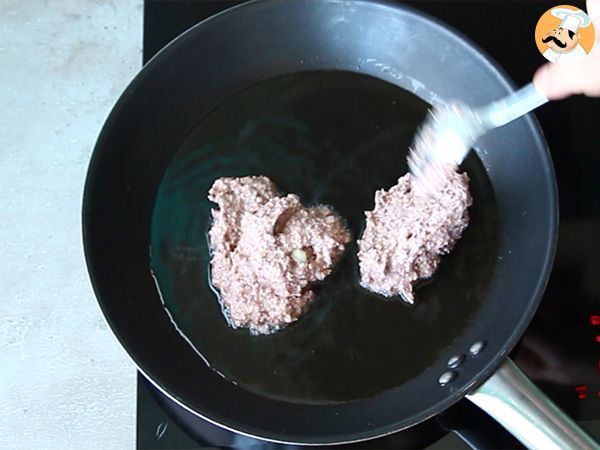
(598, 338)
(595, 319)
(581, 392)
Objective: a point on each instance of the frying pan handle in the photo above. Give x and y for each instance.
(525, 411)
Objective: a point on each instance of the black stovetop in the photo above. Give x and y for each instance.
(560, 350)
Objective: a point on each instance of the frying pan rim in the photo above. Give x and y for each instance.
(453, 397)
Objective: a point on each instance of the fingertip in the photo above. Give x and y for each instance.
(549, 81)
(544, 82)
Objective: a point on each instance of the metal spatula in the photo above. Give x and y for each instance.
(450, 131)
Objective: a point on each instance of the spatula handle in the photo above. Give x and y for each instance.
(513, 106)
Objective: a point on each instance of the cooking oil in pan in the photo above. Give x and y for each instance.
(332, 138)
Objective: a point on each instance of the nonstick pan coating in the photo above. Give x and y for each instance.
(160, 117)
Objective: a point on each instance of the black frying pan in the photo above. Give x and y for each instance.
(318, 95)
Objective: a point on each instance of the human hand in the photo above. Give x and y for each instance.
(558, 81)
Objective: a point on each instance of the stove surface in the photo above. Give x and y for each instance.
(560, 350)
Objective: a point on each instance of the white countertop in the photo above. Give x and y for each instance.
(65, 382)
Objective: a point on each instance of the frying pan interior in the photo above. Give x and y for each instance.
(333, 138)
(323, 97)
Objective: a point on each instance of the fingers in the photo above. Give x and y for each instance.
(558, 81)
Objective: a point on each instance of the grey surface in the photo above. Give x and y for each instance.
(64, 380)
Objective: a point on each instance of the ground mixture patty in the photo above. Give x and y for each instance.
(266, 250)
(407, 232)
